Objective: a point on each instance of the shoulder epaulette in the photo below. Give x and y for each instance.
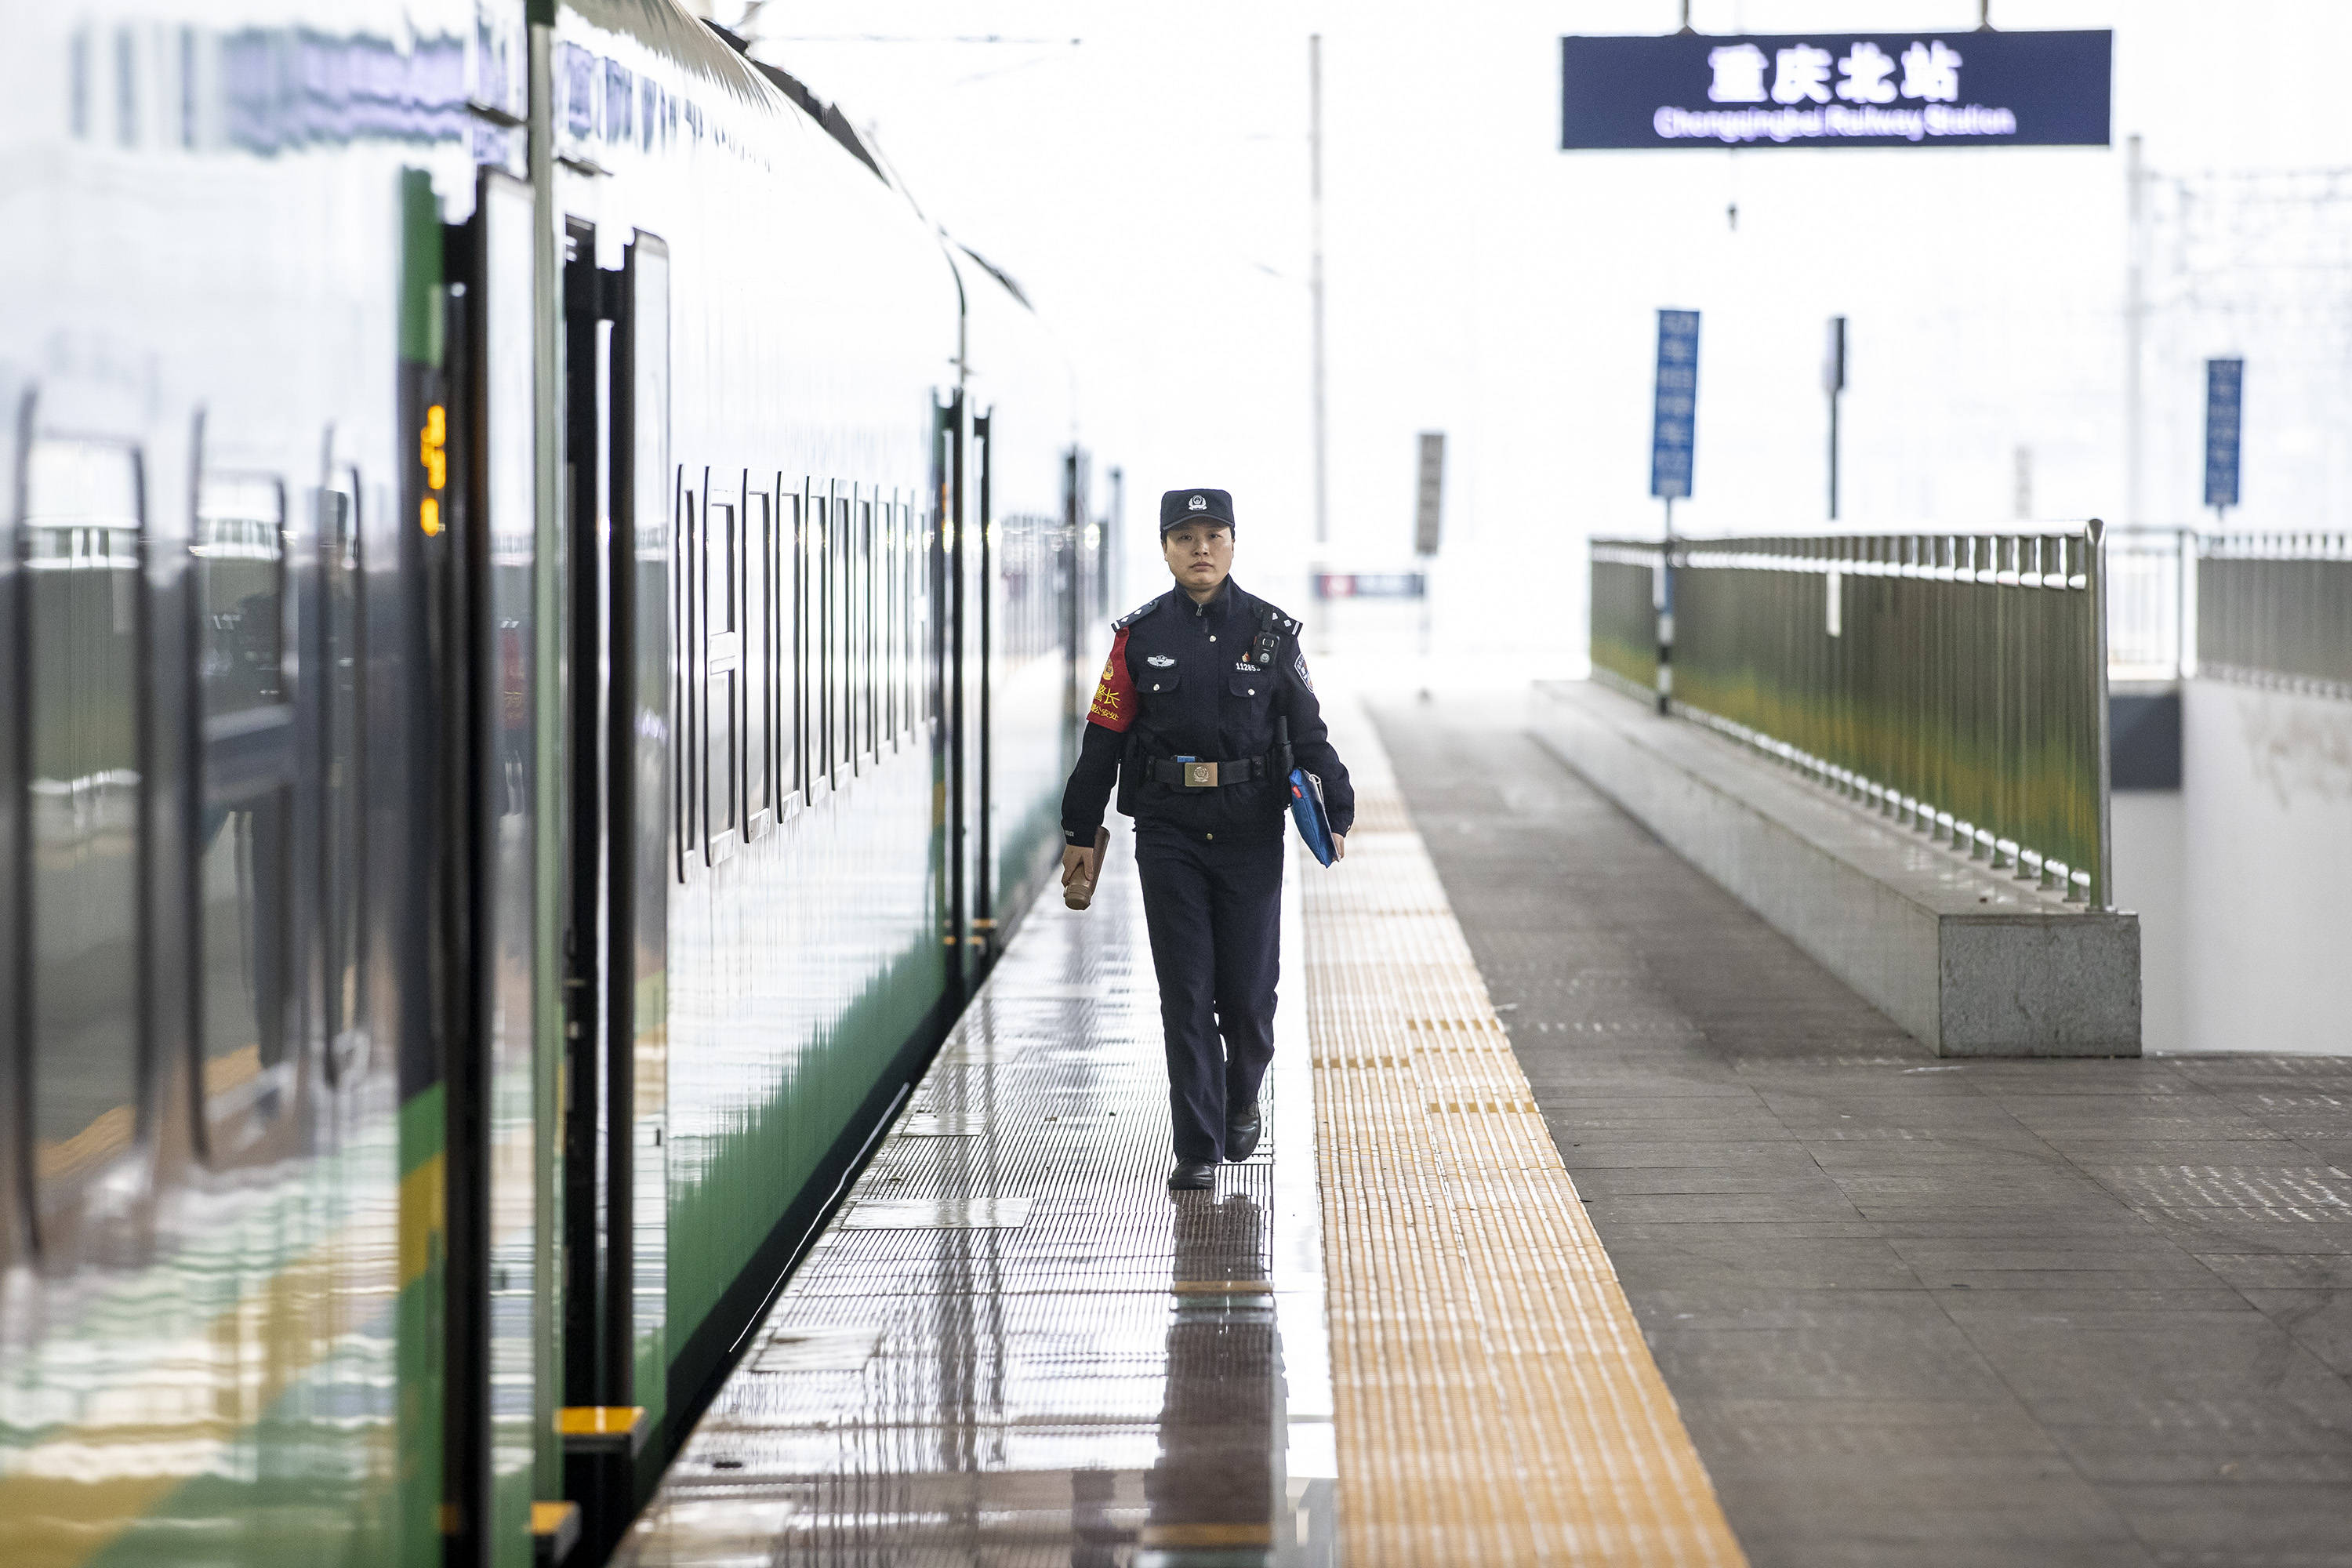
(1288, 627)
(1137, 614)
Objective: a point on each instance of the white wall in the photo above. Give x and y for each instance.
(2150, 872)
(2267, 802)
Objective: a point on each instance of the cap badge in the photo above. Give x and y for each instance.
(1200, 503)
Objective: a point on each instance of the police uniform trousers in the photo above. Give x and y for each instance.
(1214, 908)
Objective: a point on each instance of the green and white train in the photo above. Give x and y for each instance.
(542, 611)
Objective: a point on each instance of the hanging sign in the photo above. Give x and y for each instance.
(1430, 494)
(2224, 380)
(1674, 407)
(1837, 89)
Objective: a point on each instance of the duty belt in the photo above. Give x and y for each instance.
(1206, 775)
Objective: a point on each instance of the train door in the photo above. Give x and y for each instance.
(938, 685)
(983, 589)
(486, 616)
(619, 865)
(643, 722)
(962, 673)
(405, 799)
(587, 365)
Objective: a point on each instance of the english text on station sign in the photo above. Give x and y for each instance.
(1837, 89)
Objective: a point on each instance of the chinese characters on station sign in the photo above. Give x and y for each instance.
(1835, 89)
(1677, 405)
(2225, 380)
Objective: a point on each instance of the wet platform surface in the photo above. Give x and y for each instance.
(1914, 1311)
(1392, 1337)
(1014, 1345)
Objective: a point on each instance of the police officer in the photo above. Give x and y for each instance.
(1203, 686)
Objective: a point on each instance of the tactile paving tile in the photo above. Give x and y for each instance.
(1014, 1345)
(2305, 1193)
(1496, 1400)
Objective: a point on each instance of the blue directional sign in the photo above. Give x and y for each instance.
(2224, 379)
(1837, 89)
(1674, 411)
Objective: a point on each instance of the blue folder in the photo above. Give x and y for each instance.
(1307, 810)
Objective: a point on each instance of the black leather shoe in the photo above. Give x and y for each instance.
(1193, 1176)
(1241, 1129)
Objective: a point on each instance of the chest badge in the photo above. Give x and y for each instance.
(1159, 661)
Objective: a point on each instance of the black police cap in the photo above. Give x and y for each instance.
(1178, 508)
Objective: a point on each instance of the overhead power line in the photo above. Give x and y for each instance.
(909, 38)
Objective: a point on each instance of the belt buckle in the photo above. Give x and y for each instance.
(1200, 775)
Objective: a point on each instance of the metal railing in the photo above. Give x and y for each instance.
(2276, 610)
(1625, 604)
(1957, 683)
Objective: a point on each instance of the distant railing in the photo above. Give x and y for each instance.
(2275, 609)
(1955, 682)
(2150, 574)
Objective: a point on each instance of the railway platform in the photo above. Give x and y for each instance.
(1596, 1224)
(1391, 1336)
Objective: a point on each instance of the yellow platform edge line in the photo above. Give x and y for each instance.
(1496, 1400)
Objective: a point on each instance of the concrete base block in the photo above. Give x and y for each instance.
(1972, 961)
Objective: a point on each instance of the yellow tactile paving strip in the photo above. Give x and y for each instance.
(1496, 1401)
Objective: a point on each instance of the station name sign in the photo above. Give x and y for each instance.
(1837, 89)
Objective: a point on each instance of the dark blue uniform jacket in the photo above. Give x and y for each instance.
(1180, 681)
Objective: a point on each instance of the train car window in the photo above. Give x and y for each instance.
(862, 618)
(796, 767)
(903, 607)
(792, 640)
(911, 670)
(80, 702)
(245, 829)
(722, 730)
(688, 766)
(852, 634)
(918, 623)
(758, 664)
(659, 712)
(820, 546)
(344, 848)
(911, 589)
(126, 87)
(866, 737)
(891, 627)
(840, 640)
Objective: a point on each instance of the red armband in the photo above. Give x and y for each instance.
(1114, 704)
